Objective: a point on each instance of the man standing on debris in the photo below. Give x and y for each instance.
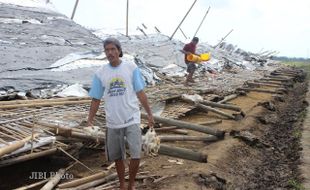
(190, 48)
(121, 84)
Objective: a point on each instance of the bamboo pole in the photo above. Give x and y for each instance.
(66, 153)
(183, 20)
(15, 146)
(13, 102)
(74, 9)
(3, 141)
(260, 90)
(27, 157)
(276, 79)
(210, 122)
(223, 38)
(54, 180)
(98, 181)
(262, 84)
(208, 108)
(172, 129)
(182, 153)
(204, 17)
(224, 106)
(44, 104)
(83, 180)
(69, 132)
(9, 136)
(186, 125)
(228, 98)
(127, 13)
(187, 138)
(183, 33)
(31, 186)
(268, 82)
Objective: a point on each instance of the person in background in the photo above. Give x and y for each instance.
(190, 48)
(121, 84)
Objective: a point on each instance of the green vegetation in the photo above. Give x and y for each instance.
(295, 185)
(300, 64)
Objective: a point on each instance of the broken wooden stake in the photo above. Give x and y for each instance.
(54, 180)
(182, 153)
(186, 125)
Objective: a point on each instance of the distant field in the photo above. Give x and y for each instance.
(300, 64)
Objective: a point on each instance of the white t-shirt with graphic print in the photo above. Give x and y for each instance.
(119, 85)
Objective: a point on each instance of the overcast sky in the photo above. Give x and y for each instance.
(282, 25)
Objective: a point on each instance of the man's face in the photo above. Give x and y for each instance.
(112, 53)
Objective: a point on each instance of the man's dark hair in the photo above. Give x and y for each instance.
(195, 39)
(115, 42)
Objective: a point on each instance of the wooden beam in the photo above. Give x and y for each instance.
(204, 17)
(208, 108)
(218, 105)
(182, 153)
(164, 138)
(261, 90)
(127, 13)
(74, 9)
(183, 20)
(186, 125)
(228, 98)
(83, 180)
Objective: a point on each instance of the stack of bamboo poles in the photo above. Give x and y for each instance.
(19, 125)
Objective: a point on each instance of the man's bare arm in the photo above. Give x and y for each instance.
(92, 111)
(143, 100)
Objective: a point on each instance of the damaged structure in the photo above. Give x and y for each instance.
(46, 72)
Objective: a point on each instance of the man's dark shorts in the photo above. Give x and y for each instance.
(191, 67)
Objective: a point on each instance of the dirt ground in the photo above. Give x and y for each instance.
(271, 162)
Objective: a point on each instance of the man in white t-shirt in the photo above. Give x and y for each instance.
(121, 84)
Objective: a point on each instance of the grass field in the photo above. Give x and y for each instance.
(302, 65)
